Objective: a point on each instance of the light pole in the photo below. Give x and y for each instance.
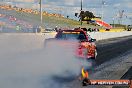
(81, 11)
(113, 22)
(103, 3)
(41, 17)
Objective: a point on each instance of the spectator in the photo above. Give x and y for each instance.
(38, 30)
(89, 29)
(18, 27)
(56, 29)
(1, 28)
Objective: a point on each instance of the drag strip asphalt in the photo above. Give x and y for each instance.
(128, 74)
(111, 48)
(107, 50)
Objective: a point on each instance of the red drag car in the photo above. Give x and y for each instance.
(86, 47)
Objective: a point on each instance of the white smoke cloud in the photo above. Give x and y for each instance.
(24, 63)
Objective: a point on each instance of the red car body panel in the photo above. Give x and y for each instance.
(85, 49)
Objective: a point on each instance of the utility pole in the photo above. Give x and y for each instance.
(121, 14)
(81, 11)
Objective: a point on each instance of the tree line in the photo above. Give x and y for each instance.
(85, 16)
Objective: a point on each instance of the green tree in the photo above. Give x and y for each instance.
(86, 16)
(82, 16)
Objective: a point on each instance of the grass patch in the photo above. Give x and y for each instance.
(49, 21)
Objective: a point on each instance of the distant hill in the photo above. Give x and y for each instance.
(49, 19)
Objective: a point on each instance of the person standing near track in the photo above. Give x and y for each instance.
(1, 28)
(18, 27)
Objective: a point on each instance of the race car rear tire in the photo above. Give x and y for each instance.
(95, 55)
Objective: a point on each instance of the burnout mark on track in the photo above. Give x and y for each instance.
(128, 74)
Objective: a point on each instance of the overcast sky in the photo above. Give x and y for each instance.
(110, 9)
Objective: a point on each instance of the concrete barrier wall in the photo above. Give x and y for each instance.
(107, 35)
(96, 35)
(40, 37)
